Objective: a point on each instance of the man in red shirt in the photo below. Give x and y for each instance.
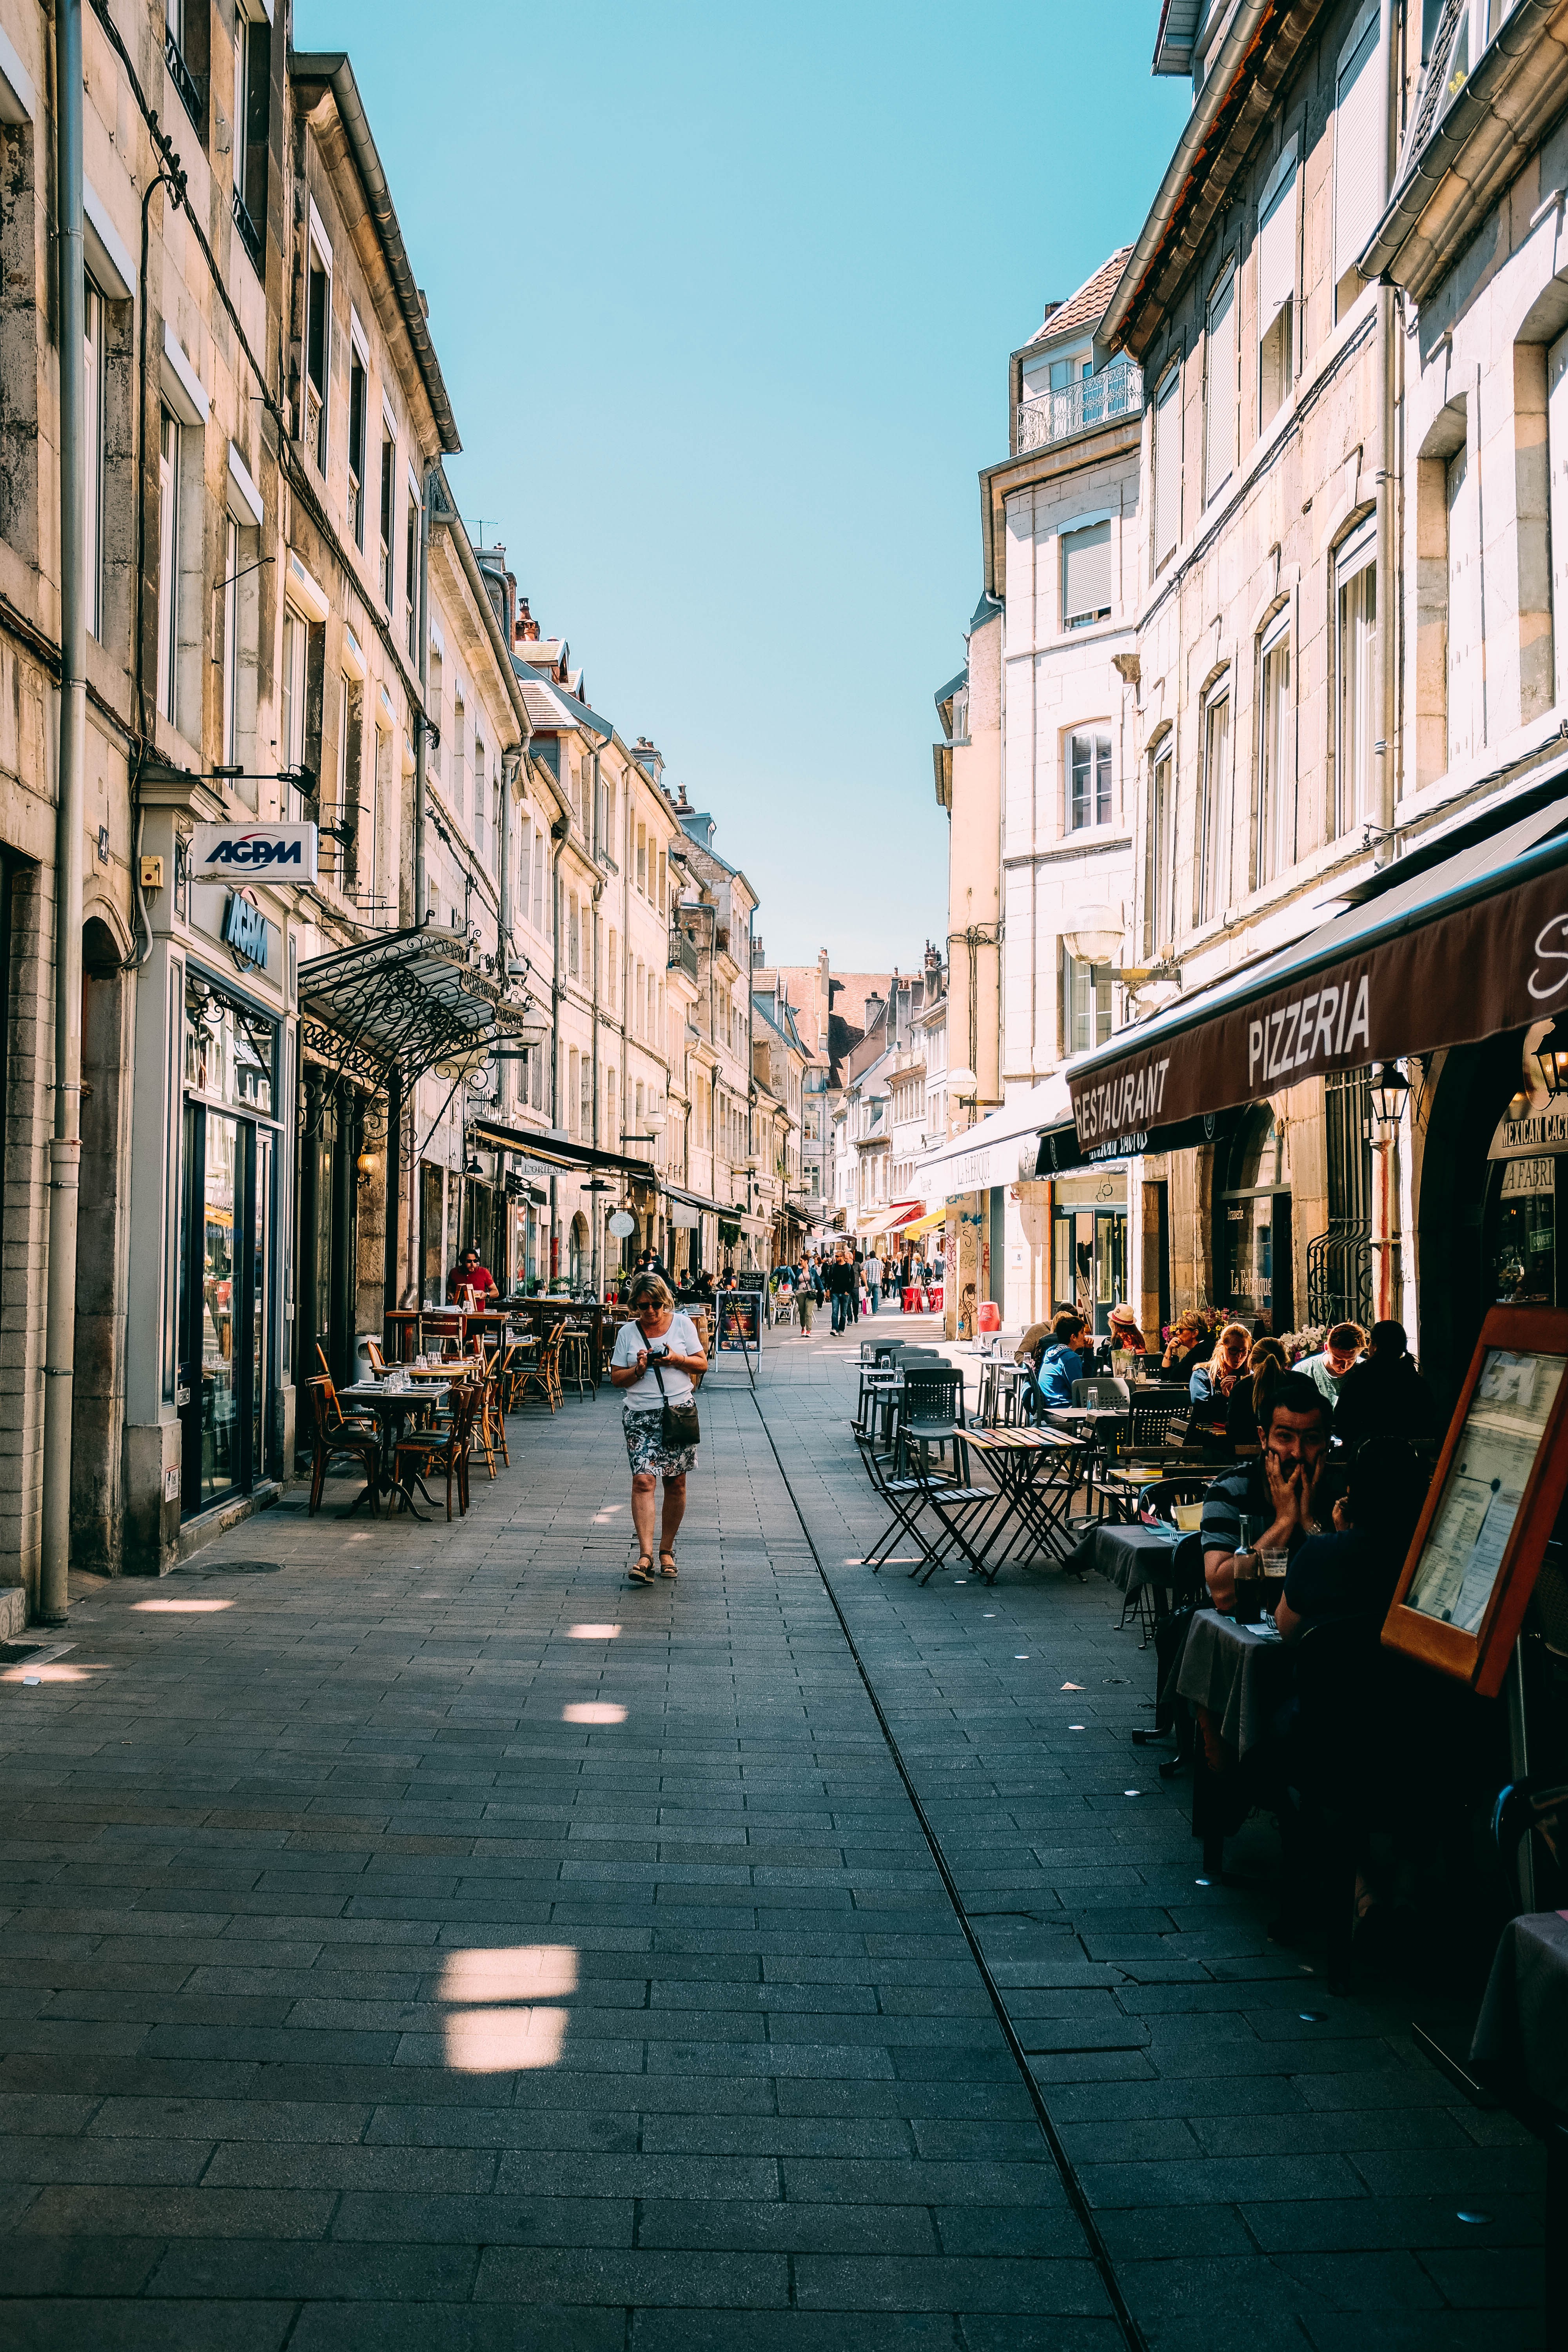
(469, 1274)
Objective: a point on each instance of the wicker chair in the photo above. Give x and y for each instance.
(337, 1440)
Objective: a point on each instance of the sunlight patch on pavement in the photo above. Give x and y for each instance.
(182, 1607)
(49, 1674)
(510, 1972)
(594, 1710)
(592, 1633)
(504, 2041)
(517, 2038)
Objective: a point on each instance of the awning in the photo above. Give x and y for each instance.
(1465, 948)
(556, 1151)
(1003, 1149)
(886, 1221)
(924, 1225)
(412, 1001)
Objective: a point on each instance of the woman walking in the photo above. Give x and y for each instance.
(655, 1357)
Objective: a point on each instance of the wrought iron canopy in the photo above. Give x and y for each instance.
(412, 1001)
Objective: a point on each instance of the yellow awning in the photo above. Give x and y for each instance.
(924, 1225)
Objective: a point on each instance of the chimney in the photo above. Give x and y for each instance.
(527, 626)
(683, 806)
(650, 761)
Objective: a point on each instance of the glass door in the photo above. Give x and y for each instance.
(261, 1333)
(224, 1324)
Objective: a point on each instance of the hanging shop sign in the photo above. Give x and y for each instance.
(620, 1224)
(682, 1219)
(253, 853)
(245, 929)
(1541, 1130)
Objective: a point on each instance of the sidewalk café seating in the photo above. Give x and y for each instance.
(427, 1453)
(931, 1406)
(509, 1371)
(1174, 1501)
(1106, 1390)
(337, 1440)
(489, 1427)
(906, 1499)
(575, 1362)
(1036, 1471)
(543, 1376)
(1001, 1390)
(878, 1383)
(377, 1360)
(336, 1419)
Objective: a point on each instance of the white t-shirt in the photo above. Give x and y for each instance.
(642, 1395)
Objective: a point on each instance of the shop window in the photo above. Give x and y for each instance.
(1219, 387)
(1275, 838)
(1355, 648)
(1159, 919)
(1089, 781)
(1086, 575)
(1209, 846)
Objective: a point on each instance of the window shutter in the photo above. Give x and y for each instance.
(1219, 413)
(1277, 254)
(1167, 466)
(1085, 572)
(1359, 143)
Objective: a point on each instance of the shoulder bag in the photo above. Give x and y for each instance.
(679, 1426)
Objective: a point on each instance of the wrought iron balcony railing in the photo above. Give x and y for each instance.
(251, 236)
(1116, 391)
(682, 955)
(186, 82)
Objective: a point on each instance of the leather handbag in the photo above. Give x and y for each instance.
(679, 1427)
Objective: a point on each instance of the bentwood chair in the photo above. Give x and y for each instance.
(543, 1376)
(424, 1453)
(337, 1441)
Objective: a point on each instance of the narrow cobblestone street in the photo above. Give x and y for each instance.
(417, 1936)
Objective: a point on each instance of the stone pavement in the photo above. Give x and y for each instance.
(419, 1937)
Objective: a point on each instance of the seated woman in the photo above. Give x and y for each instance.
(1266, 1365)
(1350, 1567)
(1210, 1385)
(1191, 1343)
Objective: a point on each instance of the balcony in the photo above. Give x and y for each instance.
(1116, 392)
(190, 94)
(682, 955)
(251, 236)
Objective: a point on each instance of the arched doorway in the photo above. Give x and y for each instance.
(98, 1389)
(577, 1251)
(1252, 1222)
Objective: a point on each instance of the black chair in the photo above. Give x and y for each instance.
(931, 1406)
(905, 1498)
(1160, 1424)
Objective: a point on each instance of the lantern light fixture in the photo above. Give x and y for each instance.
(1390, 1093)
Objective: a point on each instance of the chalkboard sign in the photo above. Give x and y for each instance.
(1493, 1503)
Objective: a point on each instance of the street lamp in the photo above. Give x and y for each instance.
(1551, 1058)
(1390, 1093)
(1096, 939)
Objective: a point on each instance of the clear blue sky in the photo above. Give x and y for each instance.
(723, 296)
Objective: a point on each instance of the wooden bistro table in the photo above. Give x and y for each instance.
(392, 1407)
(1034, 1472)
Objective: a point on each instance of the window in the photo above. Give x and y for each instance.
(375, 794)
(411, 569)
(1275, 287)
(572, 1095)
(574, 937)
(1356, 601)
(480, 788)
(433, 697)
(1209, 845)
(187, 56)
(1089, 781)
(642, 859)
(1085, 1005)
(1167, 466)
(459, 748)
(230, 591)
(318, 303)
(1158, 919)
(1086, 575)
(1360, 151)
(252, 132)
(613, 955)
(292, 743)
(1276, 755)
(1219, 387)
(168, 563)
(357, 389)
(92, 435)
(585, 1098)
(1462, 565)
(539, 854)
(388, 480)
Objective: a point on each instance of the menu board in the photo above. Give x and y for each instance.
(1501, 1483)
(1481, 1495)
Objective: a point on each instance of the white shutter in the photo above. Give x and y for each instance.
(1219, 388)
(1085, 572)
(1167, 466)
(1277, 253)
(1360, 160)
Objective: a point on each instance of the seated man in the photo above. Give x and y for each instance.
(1061, 1362)
(1351, 1569)
(1273, 1494)
(1341, 1349)
(469, 1274)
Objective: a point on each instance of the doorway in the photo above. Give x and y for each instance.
(98, 1389)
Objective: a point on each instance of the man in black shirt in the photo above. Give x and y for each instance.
(1274, 1494)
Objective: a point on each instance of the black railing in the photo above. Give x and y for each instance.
(682, 955)
(186, 82)
(251, 236)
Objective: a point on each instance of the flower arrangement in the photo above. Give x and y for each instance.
(1307, 1342)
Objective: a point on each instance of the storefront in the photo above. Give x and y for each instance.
(1088, 1244)
(227, 1347)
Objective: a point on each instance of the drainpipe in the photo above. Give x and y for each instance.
(511, 761)
(422, 724)
(65, 1149)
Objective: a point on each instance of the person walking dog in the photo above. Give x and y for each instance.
(654, 1359)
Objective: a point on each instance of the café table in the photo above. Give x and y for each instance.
(1129, 1556)
(1520, 2052)
(392, 1407)
(1233, 1677)
(406, 1326)
(1034, 1473)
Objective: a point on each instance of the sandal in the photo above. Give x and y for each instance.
(667, 1564)
(641, 1570)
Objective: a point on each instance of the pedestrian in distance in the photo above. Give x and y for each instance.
(855, 1265)
(655, 1357)
(874, 1281)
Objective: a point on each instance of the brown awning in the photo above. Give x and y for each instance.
(1464, 949)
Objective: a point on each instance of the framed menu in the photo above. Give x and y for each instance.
(1495, 1500)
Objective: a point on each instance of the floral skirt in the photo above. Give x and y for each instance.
(646, 1448)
